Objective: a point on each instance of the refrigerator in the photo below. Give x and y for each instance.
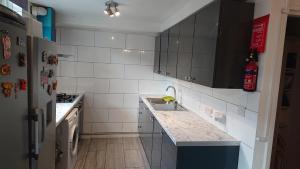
(27, 96)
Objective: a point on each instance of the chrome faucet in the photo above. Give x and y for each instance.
(172, 87)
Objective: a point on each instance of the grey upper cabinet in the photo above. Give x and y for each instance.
(173, 51)
(204, 46)
(185, 51)
(210, 46)
(156, 68)
(164, 43)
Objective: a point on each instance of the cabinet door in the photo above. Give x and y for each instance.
(156, 148)
(157, 55)
(164, 43)
(205, 40)
(169, 153)
(146, 129)
(173, 51)
(185, 51)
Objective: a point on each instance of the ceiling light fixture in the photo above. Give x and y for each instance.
(112, 9)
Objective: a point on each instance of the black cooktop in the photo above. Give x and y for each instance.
(65, 98)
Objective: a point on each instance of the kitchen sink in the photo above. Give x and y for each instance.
(160, 105)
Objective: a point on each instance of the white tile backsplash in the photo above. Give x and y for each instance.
(112, 80)
(66, 84)
(147, 58)
(152, 87)
(69, 52)
(131, 100)
(67, 68)
(101, 86)
(108, 100)
(93, 54)
(138, 72)
(140, 42)
(110, 39)
(84, 69)
(125, 57)
(123, 86)
(109, 71)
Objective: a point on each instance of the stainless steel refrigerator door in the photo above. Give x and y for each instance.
(41, 100)
(14, 147)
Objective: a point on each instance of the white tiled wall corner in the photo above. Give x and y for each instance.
(253, 101)
(235, 96)
(245, 157)
(246, 130)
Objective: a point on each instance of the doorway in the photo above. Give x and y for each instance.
(286, 143)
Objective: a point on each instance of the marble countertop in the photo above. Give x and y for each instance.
(63, 109)
(186, 128)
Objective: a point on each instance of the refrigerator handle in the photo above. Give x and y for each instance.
(43, 125)
(35, 145)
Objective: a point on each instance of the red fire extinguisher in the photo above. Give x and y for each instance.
(251, 72)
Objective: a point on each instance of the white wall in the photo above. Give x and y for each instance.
(111, 78)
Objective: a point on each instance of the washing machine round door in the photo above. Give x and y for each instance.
(74, 142)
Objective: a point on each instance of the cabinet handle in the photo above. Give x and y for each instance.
(167, 73)
(140, 112)
(139, 127)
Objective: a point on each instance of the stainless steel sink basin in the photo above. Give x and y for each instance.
(160, 105)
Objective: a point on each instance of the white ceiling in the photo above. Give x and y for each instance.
(136, 15)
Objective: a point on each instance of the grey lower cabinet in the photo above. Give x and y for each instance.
(162, 153)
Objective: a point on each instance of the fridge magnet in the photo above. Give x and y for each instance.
(7, 88)
(49, 90)
(51, 73)
(44, 56)
(6, 46)
(23, 85)
(259, 34)
(54, 85)
(22, 60)
(16, 90)
(53, 60)
(20, 42)
(5, 69)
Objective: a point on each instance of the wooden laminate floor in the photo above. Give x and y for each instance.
(111, 153)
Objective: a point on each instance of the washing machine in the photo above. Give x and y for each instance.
(67, 135)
